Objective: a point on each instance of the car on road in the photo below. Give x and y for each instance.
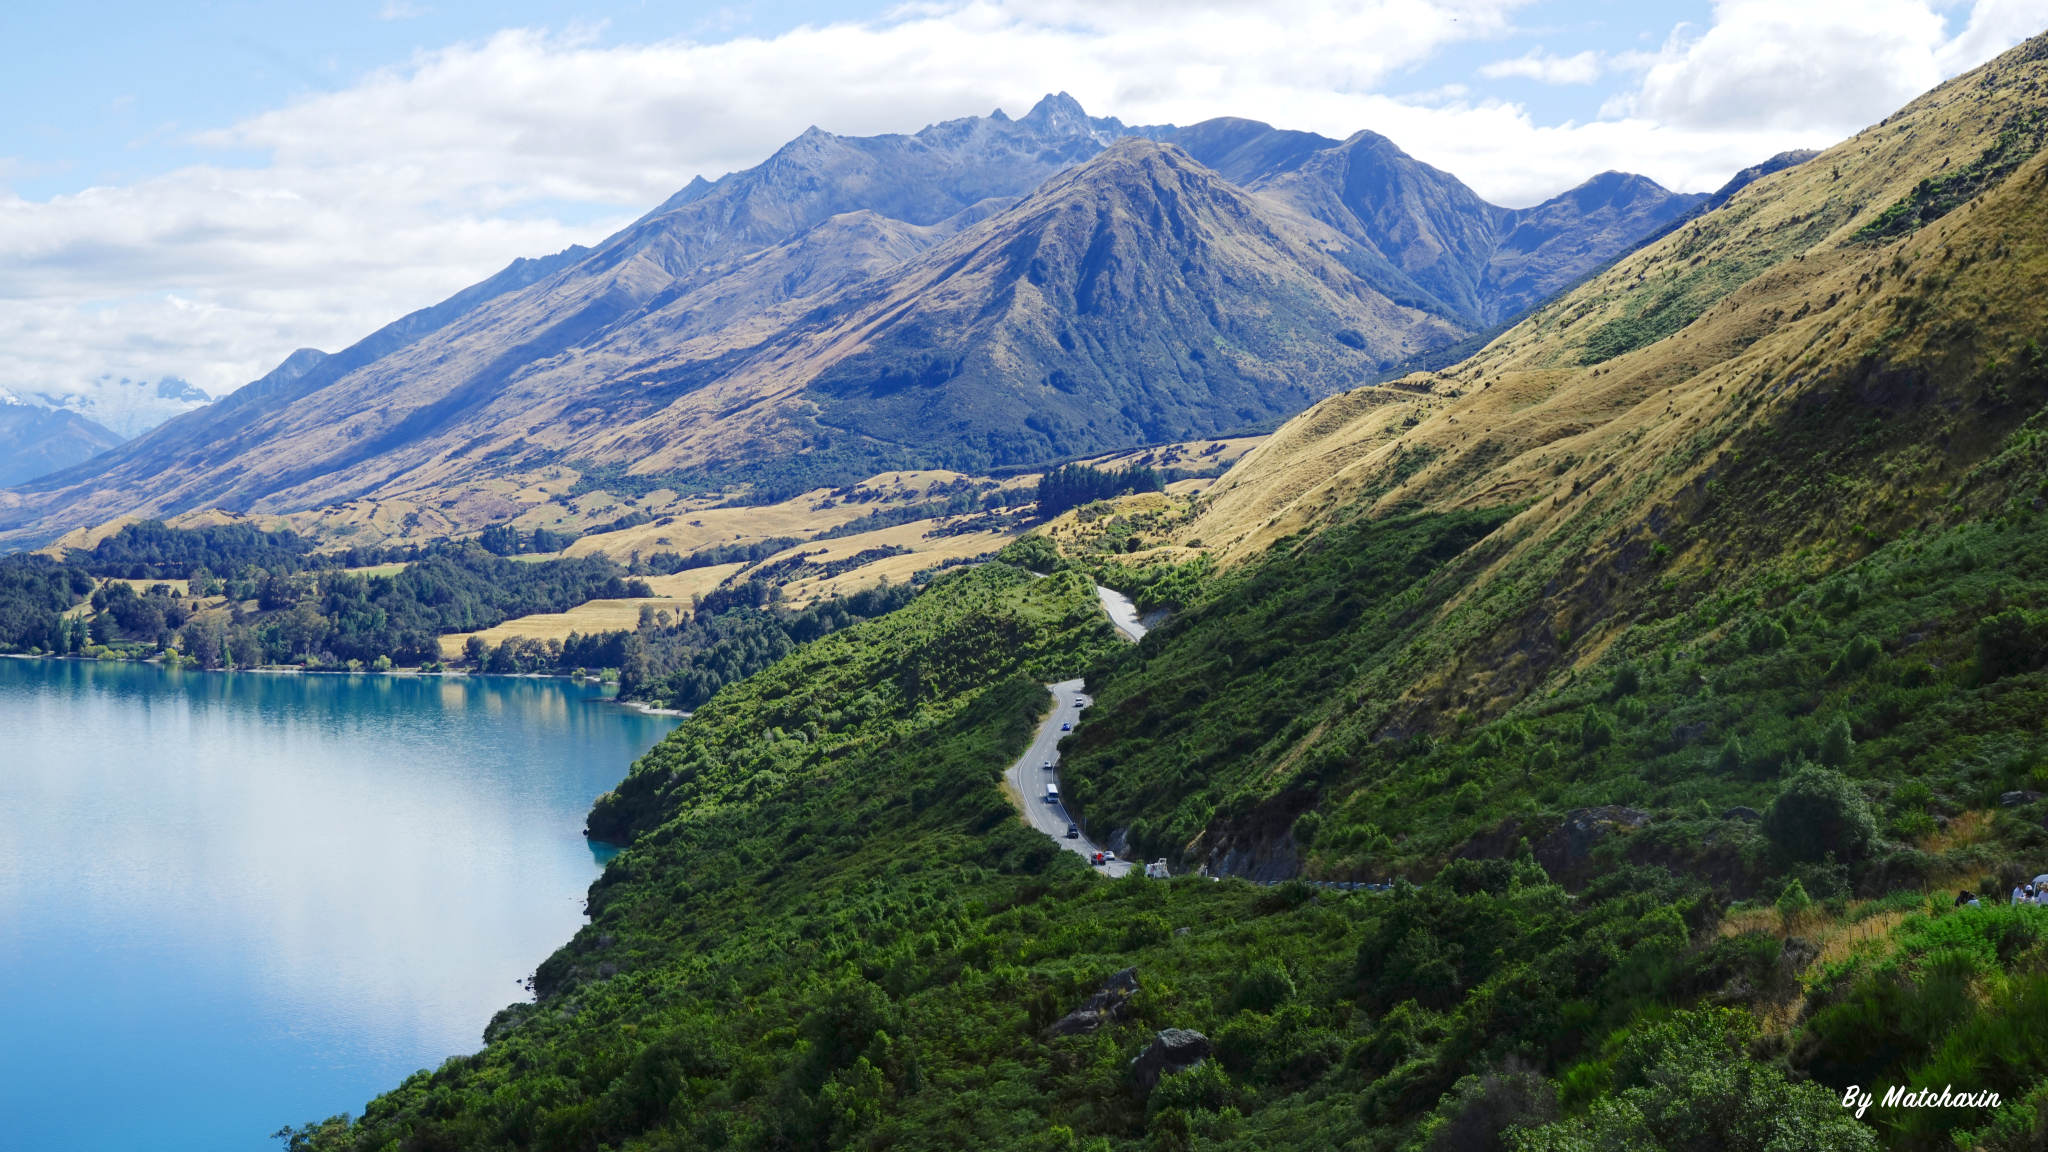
(1066, 727)
(1048, 765)
(1080, 703)
(1052, 793)
(1157, 870)
(1073, 831)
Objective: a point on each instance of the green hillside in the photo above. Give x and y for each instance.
(1681, 685)
(832, 932)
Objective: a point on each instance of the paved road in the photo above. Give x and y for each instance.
(1028, 777)
(1122, 613)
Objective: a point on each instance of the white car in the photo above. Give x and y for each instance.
(1052, 793)
(1048, 765)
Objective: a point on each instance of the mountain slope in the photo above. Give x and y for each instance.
(710, 285)
(1432, 238)
(1820, 391)
(1676, 691)
(35, 441)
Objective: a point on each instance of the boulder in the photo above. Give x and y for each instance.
(1172, 1050)
(1741, 813)
(2015, 799)
(1107, 1004)
(1570, 846)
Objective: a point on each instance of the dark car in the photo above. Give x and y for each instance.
(1073, 831)
(1066, 727)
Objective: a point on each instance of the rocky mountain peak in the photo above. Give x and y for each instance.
(1062, 115)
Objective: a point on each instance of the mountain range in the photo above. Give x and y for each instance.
(987, 291)
(35, 440)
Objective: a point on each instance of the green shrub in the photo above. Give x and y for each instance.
(1203, 1088)
(1729, 761)
(1466, 800)
(1265, 987)
(1766, 636)
(1305, 827)
(2011, 642)
(1859, 653)
(1819, 811)
(1595, 730)
(1688, 1083)
(1837, 746)
(1628, 679)
(1794, 900)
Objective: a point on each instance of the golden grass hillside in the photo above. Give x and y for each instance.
(1642, 468)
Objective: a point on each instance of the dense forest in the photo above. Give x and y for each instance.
(1073, 485)
(679, 658)
(682, 663)
(739, 552)
(506, 540)
(332, 617)
(303, 611)
(35, 593)
(152, 550)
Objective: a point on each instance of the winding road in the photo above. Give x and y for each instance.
(1122, 613)
(1027, 778)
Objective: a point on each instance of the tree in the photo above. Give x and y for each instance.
(1837, 746)
(1730, 760)
(1628, 679)
(1595, 731)
(1265, 987)
(2011, 642)
(500, 540)
(1817, 812)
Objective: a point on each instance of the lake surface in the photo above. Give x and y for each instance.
(232, 901)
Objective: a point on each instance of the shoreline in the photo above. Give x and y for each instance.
(648, 709)
(294, 670)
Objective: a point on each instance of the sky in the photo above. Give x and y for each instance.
(197, 189)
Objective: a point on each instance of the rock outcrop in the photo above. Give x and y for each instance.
(1173, 1050)
(1107, 1004)
(1570, 847)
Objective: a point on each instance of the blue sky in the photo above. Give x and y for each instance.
(197, 189)
(113, 93)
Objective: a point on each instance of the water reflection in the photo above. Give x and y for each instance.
(249, 898)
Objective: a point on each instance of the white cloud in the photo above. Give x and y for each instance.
(1547, 68)
(399, 189)
(1826, 69)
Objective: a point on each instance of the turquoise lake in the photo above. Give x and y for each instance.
(233, 901)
